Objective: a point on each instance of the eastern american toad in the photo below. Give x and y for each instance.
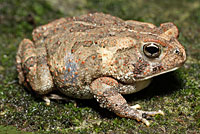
(101, 56)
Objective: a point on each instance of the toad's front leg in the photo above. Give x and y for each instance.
(106, 93)
(32, 66)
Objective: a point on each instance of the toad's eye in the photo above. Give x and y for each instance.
(152, 50)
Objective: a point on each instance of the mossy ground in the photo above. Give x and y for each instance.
(176, 93)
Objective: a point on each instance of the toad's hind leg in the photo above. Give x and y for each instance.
(106, 92)
(32, 67)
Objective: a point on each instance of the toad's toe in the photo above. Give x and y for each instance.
(137, 106)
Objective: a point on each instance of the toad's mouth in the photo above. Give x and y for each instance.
(151, 76)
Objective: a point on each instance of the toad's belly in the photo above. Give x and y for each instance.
(77, 92)
(142, 84)
(137, 86)
(84, 92)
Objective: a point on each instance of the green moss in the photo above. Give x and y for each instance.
(177, 93)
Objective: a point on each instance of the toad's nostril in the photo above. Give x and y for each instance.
(177, 51)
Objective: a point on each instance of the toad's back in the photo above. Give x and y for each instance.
(73, 47)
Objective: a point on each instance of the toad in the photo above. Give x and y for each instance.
(99, 56)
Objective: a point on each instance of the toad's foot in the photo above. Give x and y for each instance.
(145, 114)
(150, 113)
(48, 99)
(139, 115)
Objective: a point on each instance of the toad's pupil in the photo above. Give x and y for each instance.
(152, 49)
